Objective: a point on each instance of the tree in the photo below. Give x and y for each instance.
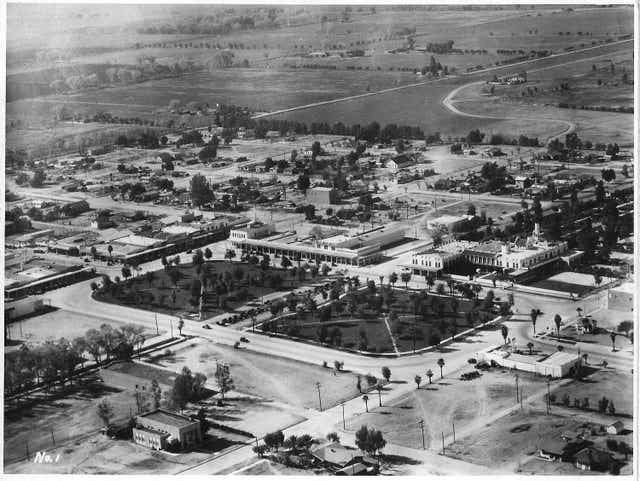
(303, 183)
(625, 326)
(182, 390)
(369, 440)
(208, 254)
(393, 278)
(38, 178)
(200, 189)
(208, 153)
(405, 277)
(430, 375)
(613, 336)
(505, 332)
(180, 326)
(624, 448)
(534, 318)
(365, 398)
(558, 322)
(156, 393)
(274, 440)
(530, 347)
(441, 365)
(223, 379)
(333, 437)
(105, 412)
(386, 373)
(417, 379)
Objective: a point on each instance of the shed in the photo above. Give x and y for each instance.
(615, 428)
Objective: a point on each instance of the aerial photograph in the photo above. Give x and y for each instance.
(312, 240)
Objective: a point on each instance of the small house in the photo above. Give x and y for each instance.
(592, 459)
(615, 428)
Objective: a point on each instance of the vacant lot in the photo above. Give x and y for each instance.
(98, 454)
(444, 404)
(514, 438)
(43, 420)
(615, 385)
(271, 378)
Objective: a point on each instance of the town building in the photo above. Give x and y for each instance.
(159, 428)
(399, 162)
(449, 222)
(519, 260)
(322, 196)
(557, 364)
(341, 248)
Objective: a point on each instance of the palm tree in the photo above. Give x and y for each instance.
(379, 389)
(441, 365)
(365, 398)
(429, 375)
(110, 249)
(613, 339)
(430, 282)
(180, 326)
(417, 380)
(558, 321)
(451, 284)
(505, 332)
(530, 346)
(534, 318)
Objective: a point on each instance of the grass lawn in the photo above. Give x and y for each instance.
(357, 320)
(272, 378)
(228, 285)
(444, 403)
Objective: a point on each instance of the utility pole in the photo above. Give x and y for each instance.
(548, 398)
(171, 323)
(319, 397)
(421, 424)
(53, 438)
(344, 424)
(521, 396)
(443, 443)
(157, 330)
(517, 394)
(453, 425)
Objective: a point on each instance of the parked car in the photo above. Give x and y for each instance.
(244, 339)
(206, 326)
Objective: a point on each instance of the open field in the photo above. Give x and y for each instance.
(271, 378)
(60, 323)
(98, 454)
(513, 441)
(615, 385)
(464, 403)
(64, 415)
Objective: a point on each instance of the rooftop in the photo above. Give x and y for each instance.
(168, 418)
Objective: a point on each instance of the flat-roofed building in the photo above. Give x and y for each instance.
(157, 429)
(358, 249)
(322, 196)
(557, 364)
(439, 258)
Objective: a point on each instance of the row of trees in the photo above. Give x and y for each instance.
(58, 361)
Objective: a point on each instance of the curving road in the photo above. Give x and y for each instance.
(449, 101)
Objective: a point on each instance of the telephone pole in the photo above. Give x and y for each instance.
(443, 443)
(319, 398)
(548, 398)
(421, 424)
(517, 392)
(344, 424)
